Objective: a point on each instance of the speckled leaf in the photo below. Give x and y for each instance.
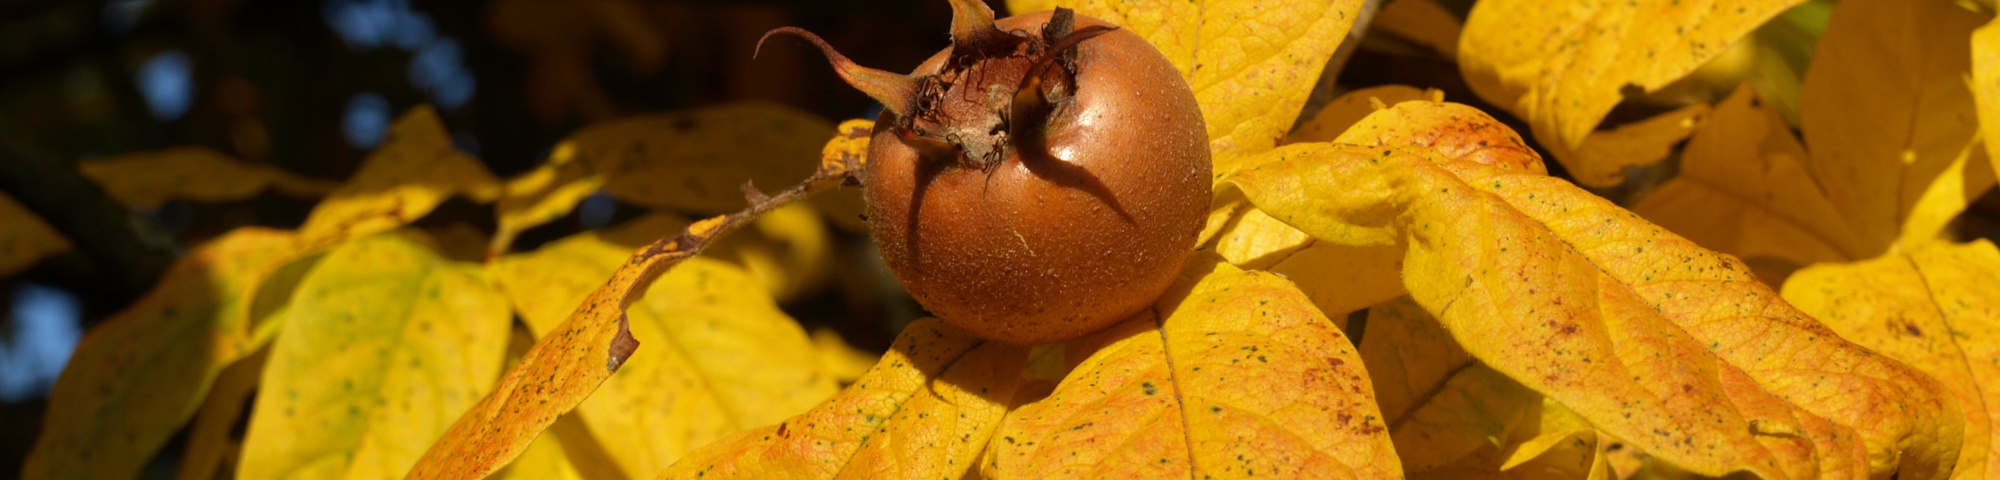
(721, 357)
(136, 378)
(1260, 383)
(1564, 66)
(385, 345)
(1744, 190)
(1935, 308)
(924, 411)
(413, 171)
(1638, 330)
(149, 179)
(24, 237)
(1251, 63)
(697, 160)
(1886, 108)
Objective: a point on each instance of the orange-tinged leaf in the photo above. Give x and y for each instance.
(1609, 315)
(415, 169)
(1933, 307)
(1744, 189)
(149, 179)
(1564, 66)
(24, 237)
(1886, 108)
(385, 344)
(1251, 63)
(697, 160)
(1260, 383)
(924, 411)
(1343, 112)
(136, 378)
(725, 358)
(1602, 159)
(1422, 21)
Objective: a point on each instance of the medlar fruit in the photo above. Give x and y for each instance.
(1041, 179)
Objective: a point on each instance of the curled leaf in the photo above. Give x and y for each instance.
(1933, 308)
(1636, 329)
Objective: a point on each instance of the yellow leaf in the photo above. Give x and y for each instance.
(209, 437)
(1251, 63)
(1341, 279)
(1933, 307)
(1256, 240)
(1602, 159)
(725, 358)
(1744, 189)
(1673, 348)
(541, 195)
(544, 460)
(844, 362)
(1886, 109)
(24, 237)
(1260, 384)
(1468, 420)
(1342, 112)
(924, 411)
(413, 171)
(1422, 21)
(847, 150)
(149, 179)
(1564, 66)
(788, 250)
(698, 160)
(136, 378)
(385, 345)
(1961, 183)
(1409, 356)
(1986, 86)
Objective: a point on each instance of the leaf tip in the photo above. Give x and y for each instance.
(622, 345)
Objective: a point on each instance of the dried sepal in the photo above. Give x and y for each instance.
(898, 93)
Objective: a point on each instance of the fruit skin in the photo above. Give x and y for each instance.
(1039, 250)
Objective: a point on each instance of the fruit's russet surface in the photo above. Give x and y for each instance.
(1083, 219)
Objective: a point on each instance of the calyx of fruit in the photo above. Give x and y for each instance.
(996, 90)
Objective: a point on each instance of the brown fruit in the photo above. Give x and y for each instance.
(1037, 181)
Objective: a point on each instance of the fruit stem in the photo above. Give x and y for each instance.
(898, 93)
